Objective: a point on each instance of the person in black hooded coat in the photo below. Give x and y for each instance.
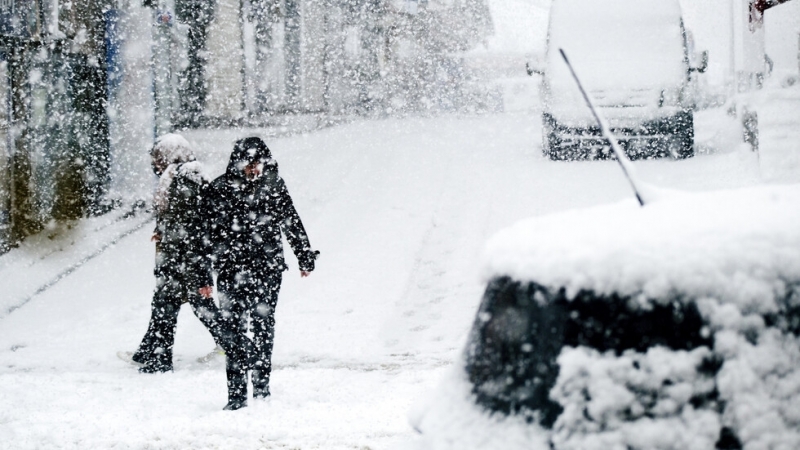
(247, 208)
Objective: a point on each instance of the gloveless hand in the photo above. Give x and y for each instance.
(206, 291)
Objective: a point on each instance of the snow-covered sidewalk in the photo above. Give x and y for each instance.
(400, 210)
(43, 260)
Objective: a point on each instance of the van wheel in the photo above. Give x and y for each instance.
(683, 139)
(554, 149)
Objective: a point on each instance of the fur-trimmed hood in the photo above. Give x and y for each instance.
(176, 152)
(172, 148)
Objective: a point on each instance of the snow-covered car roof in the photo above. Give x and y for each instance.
(742, 246)
(730, 258)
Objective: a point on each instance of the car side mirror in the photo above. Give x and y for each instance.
(703, 63)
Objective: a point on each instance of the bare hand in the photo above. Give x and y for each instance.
(304, 274)
(206, 291)
(155, 237)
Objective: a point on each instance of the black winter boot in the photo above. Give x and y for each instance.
(140, 357)
(158, 363)
(237, 389)
(234, 405)
(155, 368)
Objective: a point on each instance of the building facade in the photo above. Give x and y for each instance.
(55, 125)
(87, 85)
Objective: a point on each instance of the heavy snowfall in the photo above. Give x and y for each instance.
(401, 206)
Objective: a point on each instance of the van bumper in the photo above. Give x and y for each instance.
(670, 136)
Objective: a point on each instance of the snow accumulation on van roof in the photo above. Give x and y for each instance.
(737, 246)
(613, 43)
(628, 53)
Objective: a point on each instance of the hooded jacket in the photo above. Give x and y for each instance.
(179, 223)
(246, 217)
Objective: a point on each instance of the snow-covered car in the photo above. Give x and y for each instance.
(633, 58)
(672, 326)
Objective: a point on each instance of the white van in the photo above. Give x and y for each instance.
(632, 57)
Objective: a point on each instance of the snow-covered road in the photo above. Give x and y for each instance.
(399, 208)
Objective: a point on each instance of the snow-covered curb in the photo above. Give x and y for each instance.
(42, 260)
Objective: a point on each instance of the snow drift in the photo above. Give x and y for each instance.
(739, 246)
(729, 258)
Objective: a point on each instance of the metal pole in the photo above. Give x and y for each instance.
(622, 159)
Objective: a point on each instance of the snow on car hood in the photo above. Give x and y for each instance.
(735, 253)
(738, 246)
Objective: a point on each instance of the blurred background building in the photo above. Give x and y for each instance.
(89, 84)
(54, 71)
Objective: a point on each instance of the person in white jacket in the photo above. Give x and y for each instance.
(179, 269)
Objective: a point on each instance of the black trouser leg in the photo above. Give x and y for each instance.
(206, 310)
(155, 351)
(242, 295)
(236, 345)
(144, 353)
(262, 316)
(233, 326)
